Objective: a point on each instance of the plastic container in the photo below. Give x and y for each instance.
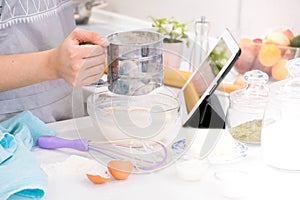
(280, 132)
(246, 108)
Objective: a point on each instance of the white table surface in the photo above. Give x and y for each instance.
(268, 182)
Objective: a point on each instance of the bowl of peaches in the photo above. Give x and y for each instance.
(268, 54)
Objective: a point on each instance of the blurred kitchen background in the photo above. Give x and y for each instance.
(244, 18)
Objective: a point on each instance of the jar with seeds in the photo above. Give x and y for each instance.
(246, 109)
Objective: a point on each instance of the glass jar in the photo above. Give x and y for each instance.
(246, 108)
(280, 132)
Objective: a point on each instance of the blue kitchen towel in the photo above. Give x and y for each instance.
(20, 175)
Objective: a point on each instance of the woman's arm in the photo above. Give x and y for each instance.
(25, 69)
(77, 64)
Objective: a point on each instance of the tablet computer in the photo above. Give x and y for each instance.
(205, 79)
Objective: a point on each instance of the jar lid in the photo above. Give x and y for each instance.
(256, 90)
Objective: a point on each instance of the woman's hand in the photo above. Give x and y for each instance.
(80, 59)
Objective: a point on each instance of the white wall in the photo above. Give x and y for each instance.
(261, 16)
(244, 18)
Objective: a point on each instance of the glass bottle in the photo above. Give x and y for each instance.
(280, 132)
(200, 45)
(245, 113)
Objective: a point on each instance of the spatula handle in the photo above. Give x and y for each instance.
(53, 142)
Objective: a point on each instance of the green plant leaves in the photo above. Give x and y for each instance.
(174, 30)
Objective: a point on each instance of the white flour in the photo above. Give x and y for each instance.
(226, 150)
(74, 165)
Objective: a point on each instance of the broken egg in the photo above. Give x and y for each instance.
(97, 179)
(97, 174)
(120, 169)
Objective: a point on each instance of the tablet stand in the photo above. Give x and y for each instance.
(208, 115)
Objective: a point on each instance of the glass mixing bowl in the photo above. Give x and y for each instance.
(151, 116)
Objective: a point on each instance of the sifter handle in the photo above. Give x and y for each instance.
(53, 142)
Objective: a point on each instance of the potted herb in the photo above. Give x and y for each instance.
(175, 36)
(173, 30)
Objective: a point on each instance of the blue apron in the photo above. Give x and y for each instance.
(32, 26)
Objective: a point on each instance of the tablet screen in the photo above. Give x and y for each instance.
(206, 78)
(206, 74)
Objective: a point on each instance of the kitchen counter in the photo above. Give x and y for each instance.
(264, 181)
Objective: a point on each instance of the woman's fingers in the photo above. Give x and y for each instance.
(91, 65)
(89, 50)
(83, 36)
(92, 61)
(80, 58)
(90, 75)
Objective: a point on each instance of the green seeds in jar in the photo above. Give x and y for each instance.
(249, 132)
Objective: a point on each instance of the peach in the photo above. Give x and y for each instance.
(278, 38)
(258, 43)
(269, 54)
(244, 63)
(245, 42)
(279, 70)
(259, 66)
(287, 32)
(257, 40)
(249, 52)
